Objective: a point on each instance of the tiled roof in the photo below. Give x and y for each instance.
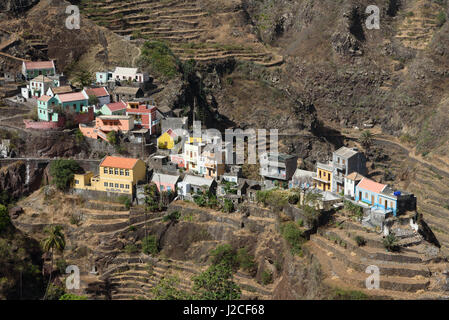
(98, 92)
(62, 89)
(164, 178)
(44, 98)
(126, 90)
(355, 176)
(197, 181)
(31, 65)
(75, 96)
(171, 133)
(129, 72)
(119, 162)
(116, 106)
(42, 78)
(370, 185)
(345, 152)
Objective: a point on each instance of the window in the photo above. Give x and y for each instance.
(162, 188)
(366, 195)
(122, 172)
(110, 171)
(105, 170)
(105, 184)
(116, 171)
(168, 188)
(127, 173)
(77, 182)
(111, 185)
(122, 186)
(127, 186)
(116, 185)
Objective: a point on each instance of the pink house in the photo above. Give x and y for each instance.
(165, 182)
(178, 159)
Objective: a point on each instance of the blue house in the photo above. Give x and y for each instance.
(377, 195)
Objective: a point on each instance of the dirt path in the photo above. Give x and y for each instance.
(386, 141)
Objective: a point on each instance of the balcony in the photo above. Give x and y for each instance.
(339, 178)
(273, 173)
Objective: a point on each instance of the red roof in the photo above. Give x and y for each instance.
(118, 162)
(31, 65)
(75, 96)
(98, 92)
(116, 106)
(141, 109)
(44, 98)
(370, 185)
(171, 133)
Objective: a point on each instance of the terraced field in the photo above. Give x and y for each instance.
(409, 274)
(416, 31)
(189, 29)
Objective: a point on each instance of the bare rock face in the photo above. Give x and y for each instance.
(16, 7)
(20, 178)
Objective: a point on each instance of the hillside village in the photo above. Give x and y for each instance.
(138, 159)
(179, 167)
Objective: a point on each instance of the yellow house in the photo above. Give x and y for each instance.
(167, 140)
(116, 174)
(324, 176)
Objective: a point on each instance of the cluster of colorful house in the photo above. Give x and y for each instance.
(115, 101)
(196, 169)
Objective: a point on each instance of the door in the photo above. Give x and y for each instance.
(386, 204)
(372, 199)
(360, 196)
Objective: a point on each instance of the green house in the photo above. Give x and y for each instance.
(32, 69)
(45, 108)
(73, 102)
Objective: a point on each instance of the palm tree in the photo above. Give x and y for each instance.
(366, 139)
(55, 240)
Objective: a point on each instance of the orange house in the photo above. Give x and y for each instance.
(106, 124)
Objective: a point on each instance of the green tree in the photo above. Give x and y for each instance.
(55, 292)
(166, 290)
(149, 245)
(63, 171)
(366, 139)
(84, 77)
(216, 283)
(294, 236)
(93, 100)
(391, 243)
(152, 198)
(79, 136)
(71, 296)
(228, 206)
(225, 255)
(55, 240)
(112, 138)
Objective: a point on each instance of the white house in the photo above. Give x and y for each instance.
(193, 184)
(52, 91)
(102, 95)
(351, 182)
(130, 74)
